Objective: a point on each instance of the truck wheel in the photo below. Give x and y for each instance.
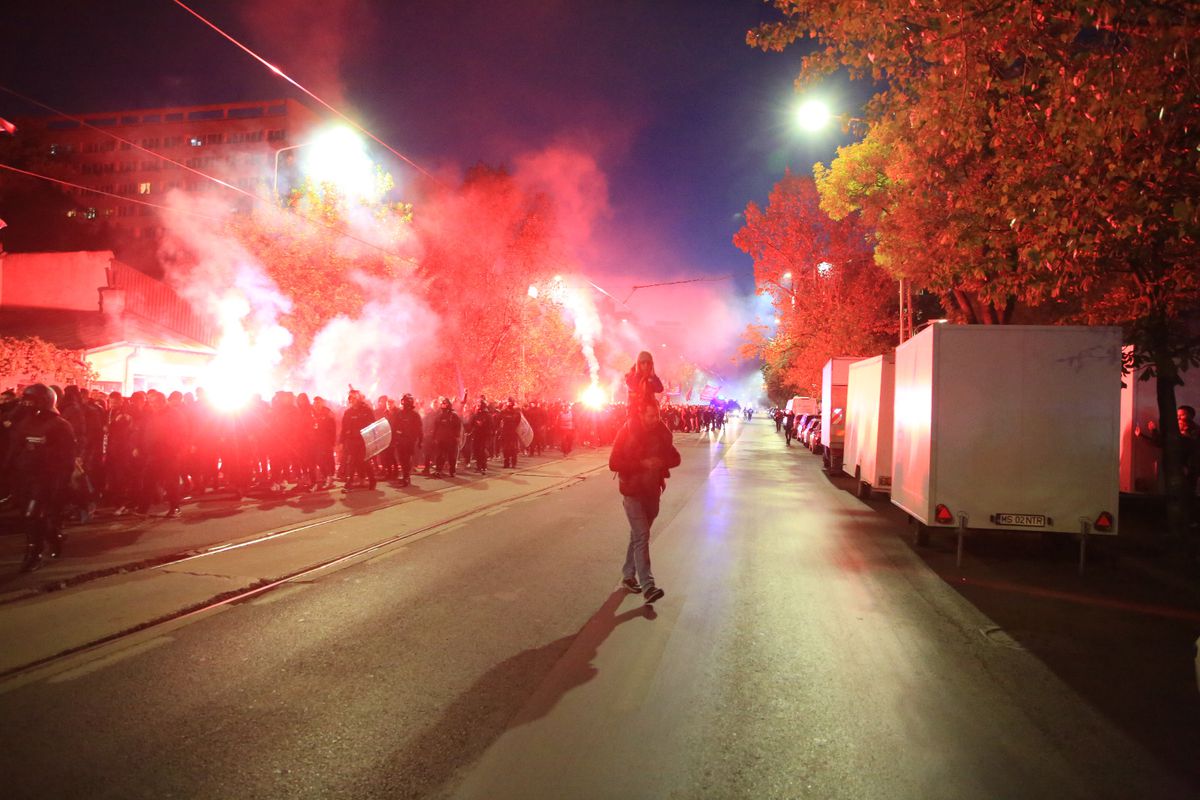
(864, 490)
(922, 535)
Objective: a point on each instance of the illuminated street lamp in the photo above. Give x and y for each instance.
(813, 115)
(339, 156)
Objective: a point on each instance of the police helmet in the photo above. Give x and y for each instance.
(408, 401)
(40, 396)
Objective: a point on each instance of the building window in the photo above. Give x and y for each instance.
(172, 141)
(108, 146)
(176, 116)
(196, 141)
(144, 187)
(152, 118)
(54, 149)
(126, 146)
(212, 138)
(90, 213)
(245, 113)
(72, 213)
(275, 136)
(148, 143)
(213, 113)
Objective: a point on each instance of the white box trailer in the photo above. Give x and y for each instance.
(1008, 427)
(1139, 405)
(834, 377)
(870, 393)
(802, 405)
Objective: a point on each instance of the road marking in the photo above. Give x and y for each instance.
(279, 594)
(109, 660)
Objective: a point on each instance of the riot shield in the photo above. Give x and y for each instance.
(377, 436)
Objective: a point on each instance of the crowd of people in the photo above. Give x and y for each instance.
(693, 418)
(66, 452)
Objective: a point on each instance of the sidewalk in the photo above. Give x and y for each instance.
(109, 543)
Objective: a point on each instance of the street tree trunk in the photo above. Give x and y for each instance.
(1179, 499)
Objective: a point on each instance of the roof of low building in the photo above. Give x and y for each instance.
(89, 330)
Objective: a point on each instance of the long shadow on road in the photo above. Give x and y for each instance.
(517, 691)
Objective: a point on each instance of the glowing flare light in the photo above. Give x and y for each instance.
(593, 397)
(245, 362)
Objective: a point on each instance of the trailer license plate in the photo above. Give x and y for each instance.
(1021, 520)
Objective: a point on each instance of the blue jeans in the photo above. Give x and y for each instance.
(641, 512)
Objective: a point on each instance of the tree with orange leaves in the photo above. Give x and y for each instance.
(1037, 153)
(484, 244)
(829, 296)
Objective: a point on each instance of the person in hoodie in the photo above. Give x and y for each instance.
(642, 456)
(642, 383)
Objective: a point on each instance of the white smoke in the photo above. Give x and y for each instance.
(378, 351)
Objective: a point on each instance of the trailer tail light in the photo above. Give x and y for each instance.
(1104, 522)
(942, 515)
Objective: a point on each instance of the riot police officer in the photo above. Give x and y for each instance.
(407, 434)
(357, 416)
(480, 429)
(40, 460)
(510, 426)
(447, 430)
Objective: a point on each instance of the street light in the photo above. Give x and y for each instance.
(813, 114)
(339, 157)
(275, 180)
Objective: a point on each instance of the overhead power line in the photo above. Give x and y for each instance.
(199, 173)
(273, 68)
(675, 283)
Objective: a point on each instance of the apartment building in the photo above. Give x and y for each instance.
(236, 142)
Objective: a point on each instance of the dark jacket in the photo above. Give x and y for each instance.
(354, 419)
(41, 456)
(446, 427)
(634, 444)
(510, 424)
(406, 427)
(641, 388)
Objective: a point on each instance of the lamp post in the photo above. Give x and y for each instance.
(340, 159)
(275, 179)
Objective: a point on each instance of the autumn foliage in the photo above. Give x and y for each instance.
(440, 287)
(1036, 155)
(32, 360)
(830, 297)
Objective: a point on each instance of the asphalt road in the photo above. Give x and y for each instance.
(803, 649)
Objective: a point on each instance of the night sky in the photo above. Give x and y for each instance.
(687, 123)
